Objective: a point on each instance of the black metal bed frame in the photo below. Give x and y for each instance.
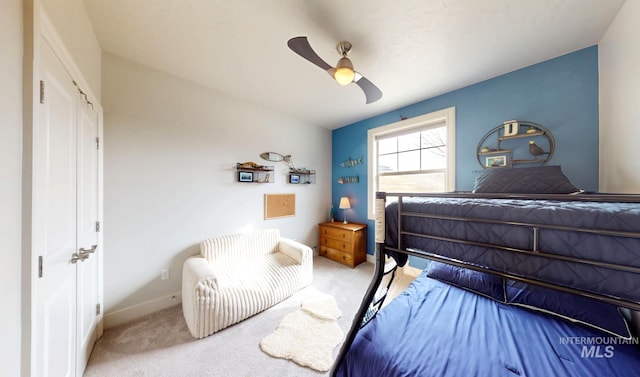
(374, 297)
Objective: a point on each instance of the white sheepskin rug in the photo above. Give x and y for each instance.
(308, 335)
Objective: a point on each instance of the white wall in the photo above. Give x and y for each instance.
(10, 188)
(170, 152)
(619, 62)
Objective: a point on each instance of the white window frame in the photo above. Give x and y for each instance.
(446, 116)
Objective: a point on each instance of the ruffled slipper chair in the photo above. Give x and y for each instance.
(239, 275)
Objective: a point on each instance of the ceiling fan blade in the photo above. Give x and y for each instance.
(301, 46)
(370, 91)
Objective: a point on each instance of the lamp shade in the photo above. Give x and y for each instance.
(344, 203)
(344, 73)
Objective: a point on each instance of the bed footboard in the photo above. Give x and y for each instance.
(375, 294)
(371, 303)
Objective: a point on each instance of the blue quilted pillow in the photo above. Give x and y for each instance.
(596, 314)
(531, 180)
(482, 283)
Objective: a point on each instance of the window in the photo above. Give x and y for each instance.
(413, 162)
(413, 155)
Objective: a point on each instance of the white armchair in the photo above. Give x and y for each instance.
(239, 275)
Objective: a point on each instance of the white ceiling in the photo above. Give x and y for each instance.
(411, 49)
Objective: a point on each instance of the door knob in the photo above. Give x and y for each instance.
(75, 257)
(84, 251)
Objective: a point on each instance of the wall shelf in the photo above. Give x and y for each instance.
(518, 136)
(506, 146)
(494, 151)
(302, 176)
(254, 173)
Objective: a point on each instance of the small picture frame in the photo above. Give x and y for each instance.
(498, 161)
(293, 178)
(245, 176)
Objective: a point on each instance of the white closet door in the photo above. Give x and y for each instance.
(54, 222)
(87, 271)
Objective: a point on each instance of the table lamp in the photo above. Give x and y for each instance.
(344, 204)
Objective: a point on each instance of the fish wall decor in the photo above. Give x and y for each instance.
(351, 162)
(352, 179)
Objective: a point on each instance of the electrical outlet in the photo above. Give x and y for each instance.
(164, 274)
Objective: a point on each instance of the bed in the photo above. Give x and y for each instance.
(523, 282)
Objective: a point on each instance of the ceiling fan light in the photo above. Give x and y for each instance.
(344, 73)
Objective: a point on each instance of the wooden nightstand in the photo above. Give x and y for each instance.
(344, 243)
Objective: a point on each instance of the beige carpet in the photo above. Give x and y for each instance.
(160, 344)
(308, 335)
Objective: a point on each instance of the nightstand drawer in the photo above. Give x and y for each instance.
(338, 234)
(336, 255)
(344, 243)
(336, 244)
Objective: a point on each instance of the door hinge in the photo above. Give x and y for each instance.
(97, 226)
(97, 143)
(97, 309)
(41, 91)
(40, 266)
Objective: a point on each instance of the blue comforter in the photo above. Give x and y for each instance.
(435, 329)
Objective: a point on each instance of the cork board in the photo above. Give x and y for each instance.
(279, 205)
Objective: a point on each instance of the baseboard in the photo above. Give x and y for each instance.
(371, 258)
(411, 271)
(405, 270)
(125, 315)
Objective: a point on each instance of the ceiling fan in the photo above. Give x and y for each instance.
(343, 73)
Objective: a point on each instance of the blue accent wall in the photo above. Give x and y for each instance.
(560, 94)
